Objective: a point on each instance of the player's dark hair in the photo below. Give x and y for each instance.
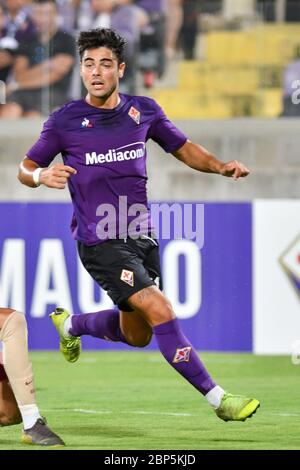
(101, 37)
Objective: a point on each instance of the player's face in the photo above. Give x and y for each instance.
(101, 72)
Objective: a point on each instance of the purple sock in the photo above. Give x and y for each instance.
(180, 354)
(104, 325)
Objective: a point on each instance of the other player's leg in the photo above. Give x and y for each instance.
(9, 411)
(13, 334)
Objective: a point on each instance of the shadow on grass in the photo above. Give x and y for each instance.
(231, 439)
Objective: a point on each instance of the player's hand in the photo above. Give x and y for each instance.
(56, 176)
(234, 169)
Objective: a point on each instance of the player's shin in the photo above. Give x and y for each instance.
(181, 355)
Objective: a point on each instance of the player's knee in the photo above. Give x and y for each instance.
(19, 321)
(4, 315)
(141, 340)
(161, 312)
(12, 322)
(14, 327)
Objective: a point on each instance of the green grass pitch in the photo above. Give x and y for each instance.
(135, 400)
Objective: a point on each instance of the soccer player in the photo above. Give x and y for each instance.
(17, 393)
(102, 141)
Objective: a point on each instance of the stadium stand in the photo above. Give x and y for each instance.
(241, 74)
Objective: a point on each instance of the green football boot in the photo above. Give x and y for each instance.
(236, 407)
(69, 345)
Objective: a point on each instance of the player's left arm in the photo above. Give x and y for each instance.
(197, 157)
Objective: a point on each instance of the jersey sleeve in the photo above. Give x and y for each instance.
(165, 133)
(48, 144)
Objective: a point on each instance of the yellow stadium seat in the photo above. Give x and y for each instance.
(269, 103)
(240, 76)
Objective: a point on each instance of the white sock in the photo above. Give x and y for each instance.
(30, 414)
(214, 396)
(68, 325)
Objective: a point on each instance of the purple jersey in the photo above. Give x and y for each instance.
(107, 148)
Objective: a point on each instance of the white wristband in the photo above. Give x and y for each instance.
(36, 176)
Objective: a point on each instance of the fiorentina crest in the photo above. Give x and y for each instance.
(290, 262)
(182, 355)
(127, 276)
(134, 114)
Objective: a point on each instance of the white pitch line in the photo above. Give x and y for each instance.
(141, 412)
(155, 359)
(94, 412)
(102, 412)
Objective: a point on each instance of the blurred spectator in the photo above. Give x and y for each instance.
(152, 44)
(292, 11)
(174, 22)
(6, 49)
(128, 20)
(43, 67)
(290, 78)
(67, 11)
(16, 27)
(189, 29)
(74, 15)
(279, 10)
(18, 22)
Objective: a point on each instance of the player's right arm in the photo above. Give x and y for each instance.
(37, 168)
(55, 176)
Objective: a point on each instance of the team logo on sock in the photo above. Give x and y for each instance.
(127, 276)
(182, 355)
(135, 114)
